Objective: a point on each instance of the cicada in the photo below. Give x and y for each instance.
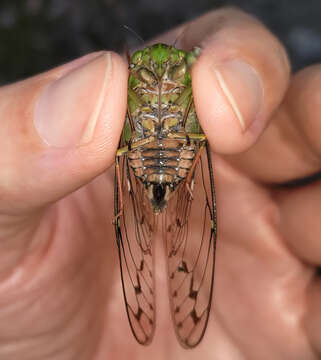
(164, 172)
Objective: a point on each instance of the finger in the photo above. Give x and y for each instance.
(239, 79)
(290, 147)
(312, 318)
(299, 221)
(59, 130)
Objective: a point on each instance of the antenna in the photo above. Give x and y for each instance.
(134, 33)
(181, 34)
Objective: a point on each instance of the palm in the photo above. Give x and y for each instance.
(259, 284)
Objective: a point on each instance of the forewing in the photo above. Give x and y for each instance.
(135, 227)
(189, 229)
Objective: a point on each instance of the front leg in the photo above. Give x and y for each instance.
(119, 206)
(191, 171)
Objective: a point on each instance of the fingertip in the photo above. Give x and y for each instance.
(70, 107)
(239, 80)
(112, 112)
(61, 128)
(303, 105)
(95, 150)
(228, 98)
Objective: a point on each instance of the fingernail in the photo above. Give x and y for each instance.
(242, 88)
(71, 65)
(67, 110)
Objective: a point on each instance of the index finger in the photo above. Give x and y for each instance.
(239, 80)
(290, 147)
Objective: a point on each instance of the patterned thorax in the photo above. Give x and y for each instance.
(160, 105)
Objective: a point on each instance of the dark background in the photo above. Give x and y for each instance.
(36, 35)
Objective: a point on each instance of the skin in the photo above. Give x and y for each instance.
(60, 292)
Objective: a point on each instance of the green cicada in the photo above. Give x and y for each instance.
(163, 166)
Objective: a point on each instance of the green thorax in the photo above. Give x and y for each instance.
(160, 92)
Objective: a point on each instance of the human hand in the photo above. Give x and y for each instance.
(60, 294)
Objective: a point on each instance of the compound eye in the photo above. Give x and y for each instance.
(137, 57)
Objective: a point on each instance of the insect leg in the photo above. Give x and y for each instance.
(132, 127)
(182, 136)
(186, 95)
(120, 191)
(135, 145)
(191, 172)
(186, 112)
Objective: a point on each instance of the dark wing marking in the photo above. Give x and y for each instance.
(189, 230)
(134, 232)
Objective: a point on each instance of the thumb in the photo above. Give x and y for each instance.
(59, 130)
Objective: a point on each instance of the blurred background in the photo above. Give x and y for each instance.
(36, 35)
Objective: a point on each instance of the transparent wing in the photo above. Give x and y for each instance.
(189, 229)
(135, 227)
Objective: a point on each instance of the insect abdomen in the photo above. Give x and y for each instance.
(164, 161)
